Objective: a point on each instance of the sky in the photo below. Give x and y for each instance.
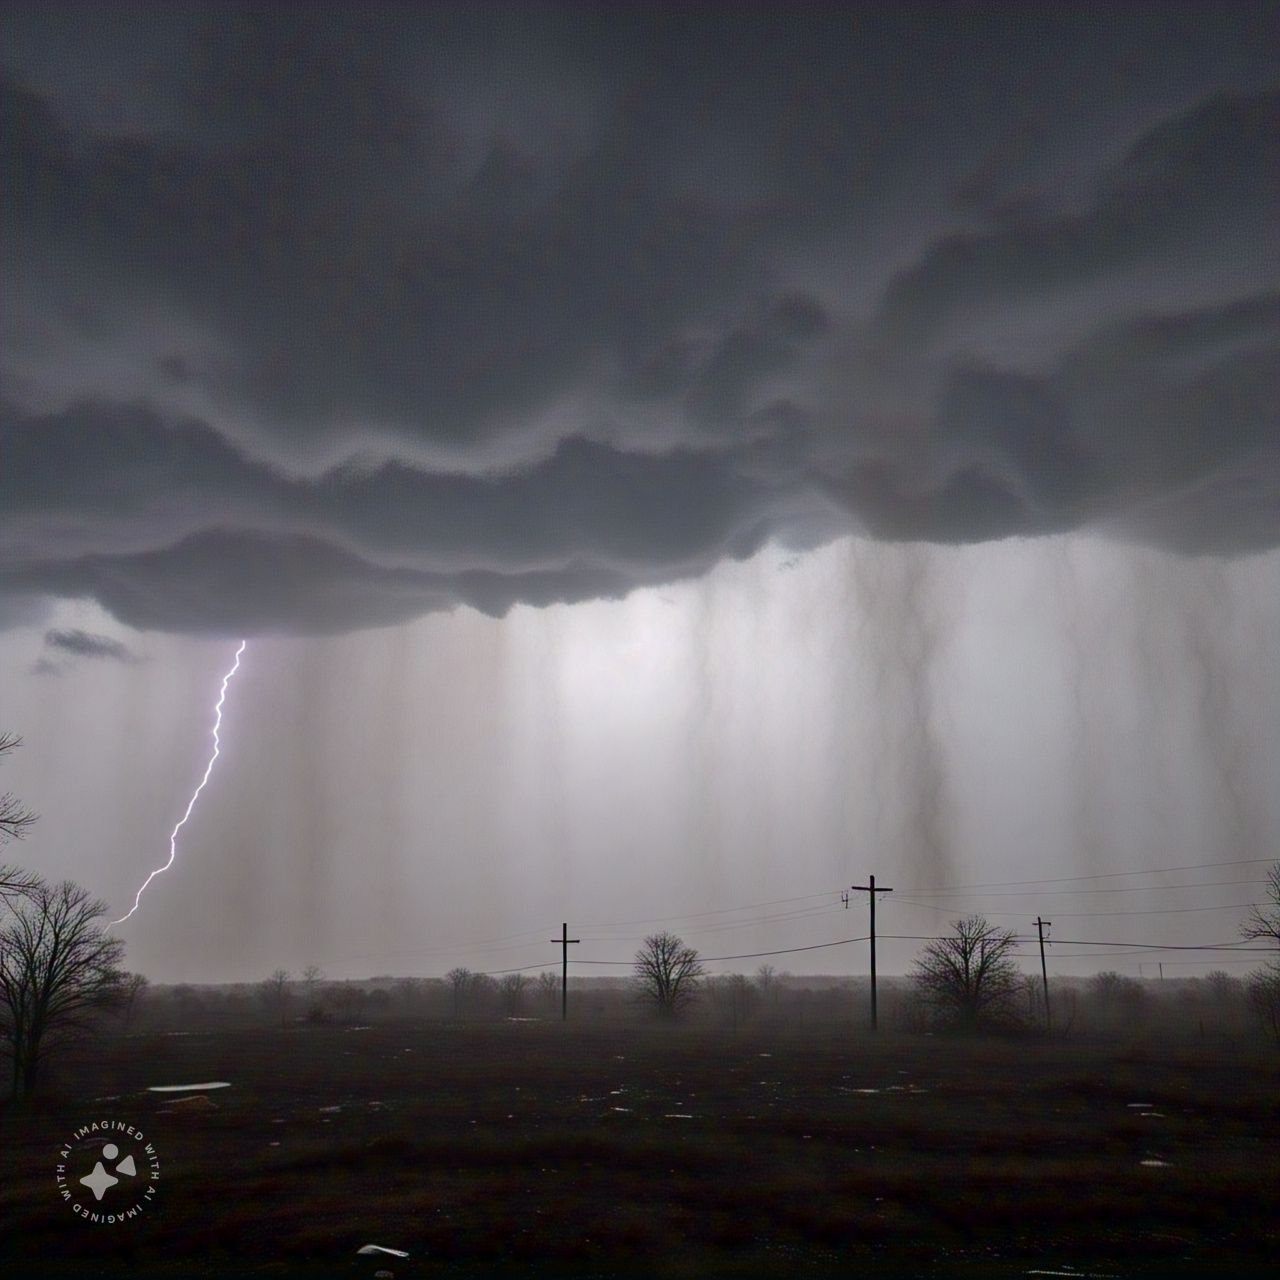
(667, 463)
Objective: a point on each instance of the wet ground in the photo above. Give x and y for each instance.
(529, 1149)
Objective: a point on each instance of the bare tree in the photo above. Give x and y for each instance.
(1117, 1000)
(15, 817)
(275, 993)
(1263, 988)
(768, 984)
(58, 969)
(460, 981)
(482, 991)
(409, 992)
(350, 1001)
(666, 974)
(512, 990)
(1264, 919)
(312, 977)
(969, 977)
(15, 883)
(734, 996)
(132, 985)
(1264, 983)
(549, 988)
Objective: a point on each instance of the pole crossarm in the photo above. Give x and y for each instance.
(1041, 926)
(565, 942)
(870, 888)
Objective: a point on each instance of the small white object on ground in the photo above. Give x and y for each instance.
(189, 1088)
(197, 1102)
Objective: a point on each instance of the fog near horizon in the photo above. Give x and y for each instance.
(446, 792)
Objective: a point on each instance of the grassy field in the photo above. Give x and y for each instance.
(523, 1149)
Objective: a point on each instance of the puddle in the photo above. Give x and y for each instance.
(323, 1110)
(381, 1249)
(189, 1088)
(1155, 1164)
(1078, 1275)
(1141, 1106)
(677, 1115)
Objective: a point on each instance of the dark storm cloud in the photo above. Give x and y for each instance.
(325, 317)
(1201, 183)
(86, 644)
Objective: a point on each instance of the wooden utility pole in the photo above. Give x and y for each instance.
(564, 940)
(870, 887)
(1041, 926)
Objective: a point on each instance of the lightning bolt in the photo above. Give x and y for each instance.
(195, 795)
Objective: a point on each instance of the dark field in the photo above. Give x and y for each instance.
(522, 1149)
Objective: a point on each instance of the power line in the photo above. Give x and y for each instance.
(1154, 946)
(1084, 915)
(1101, 955)
(1132, 888)
(1152, 911)
(749, 955)
(1099, 875)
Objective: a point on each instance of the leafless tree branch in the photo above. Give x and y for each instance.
(58, 971)
(968, 977)
(15, 817)
(666, 974)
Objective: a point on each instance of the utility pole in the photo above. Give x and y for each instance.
(1041, 926)
(564, 940)
(870, 887)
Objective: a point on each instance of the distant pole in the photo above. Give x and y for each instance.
(870, 887)
(564, 940)
(1041, 925)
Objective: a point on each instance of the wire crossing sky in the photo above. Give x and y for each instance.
(195, 795)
